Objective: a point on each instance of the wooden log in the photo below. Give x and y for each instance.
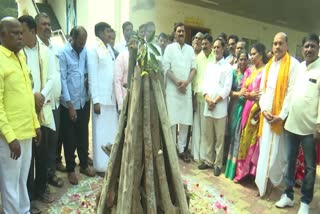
(156, 142)
(125, 190)
(138, 171)
(136, 196)
(168, 140)
(148, 155)
(164, 190)
(131, 64)
(113, 170)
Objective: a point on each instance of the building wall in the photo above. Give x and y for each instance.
(166, 12)
(59, 7)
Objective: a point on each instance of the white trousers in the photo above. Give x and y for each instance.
(104, 130)
(13, 178)
(182, 138)
(198, 134)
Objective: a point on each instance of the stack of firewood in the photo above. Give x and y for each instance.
(143, 173)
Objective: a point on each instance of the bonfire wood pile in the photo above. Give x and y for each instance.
(143, 173)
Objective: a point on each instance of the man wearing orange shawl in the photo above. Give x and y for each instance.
(276, 86)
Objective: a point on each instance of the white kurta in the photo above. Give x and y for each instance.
(180, 61)
(272, 156)
(41, 54)
(101, 80)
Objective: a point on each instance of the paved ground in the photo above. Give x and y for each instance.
(210, 194)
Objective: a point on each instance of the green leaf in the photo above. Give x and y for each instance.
(154, 49)
(154, 61)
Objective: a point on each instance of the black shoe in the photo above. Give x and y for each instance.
(216, 171)
(55, 181)
(203, 166)
(46, 198)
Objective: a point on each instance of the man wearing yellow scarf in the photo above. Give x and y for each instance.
(276, 87)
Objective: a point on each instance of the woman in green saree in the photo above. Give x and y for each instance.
(236, 104)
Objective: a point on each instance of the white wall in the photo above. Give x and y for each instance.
(167, 12)
(59, 7)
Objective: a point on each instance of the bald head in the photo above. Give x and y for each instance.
(280, 45)
(282, 35)
(11, 34)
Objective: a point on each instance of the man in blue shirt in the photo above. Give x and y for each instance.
(75, 103)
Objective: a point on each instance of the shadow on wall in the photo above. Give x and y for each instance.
(143, 4)
(8, 8)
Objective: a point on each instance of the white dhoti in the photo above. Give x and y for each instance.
(272, 159)
(13, 178)
(104, 130)
(198, 133)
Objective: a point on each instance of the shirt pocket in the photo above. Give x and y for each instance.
(312, 91)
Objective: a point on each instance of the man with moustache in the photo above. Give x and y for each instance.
(162, 42)
(276, 88)
(302, 126)
(75, 110)
(241, 45)
(55, 145)
(127, 28)
(198, 128)
(196, 43)
(18, 119)
(101, 86)
(232, 42)
(179, 67)
(216, 89)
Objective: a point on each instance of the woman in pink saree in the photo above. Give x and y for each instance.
(249, 147)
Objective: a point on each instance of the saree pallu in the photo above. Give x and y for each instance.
(249, 147)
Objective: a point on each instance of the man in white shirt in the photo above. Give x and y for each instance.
(127, 28)
(44, 33)
(179, 67)
(101, 80)
(303, 124)
(41, 62)
(276, 86)
(217, 83)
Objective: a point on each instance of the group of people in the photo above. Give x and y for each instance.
(46, 95)
(263, 109)
(259, 109)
